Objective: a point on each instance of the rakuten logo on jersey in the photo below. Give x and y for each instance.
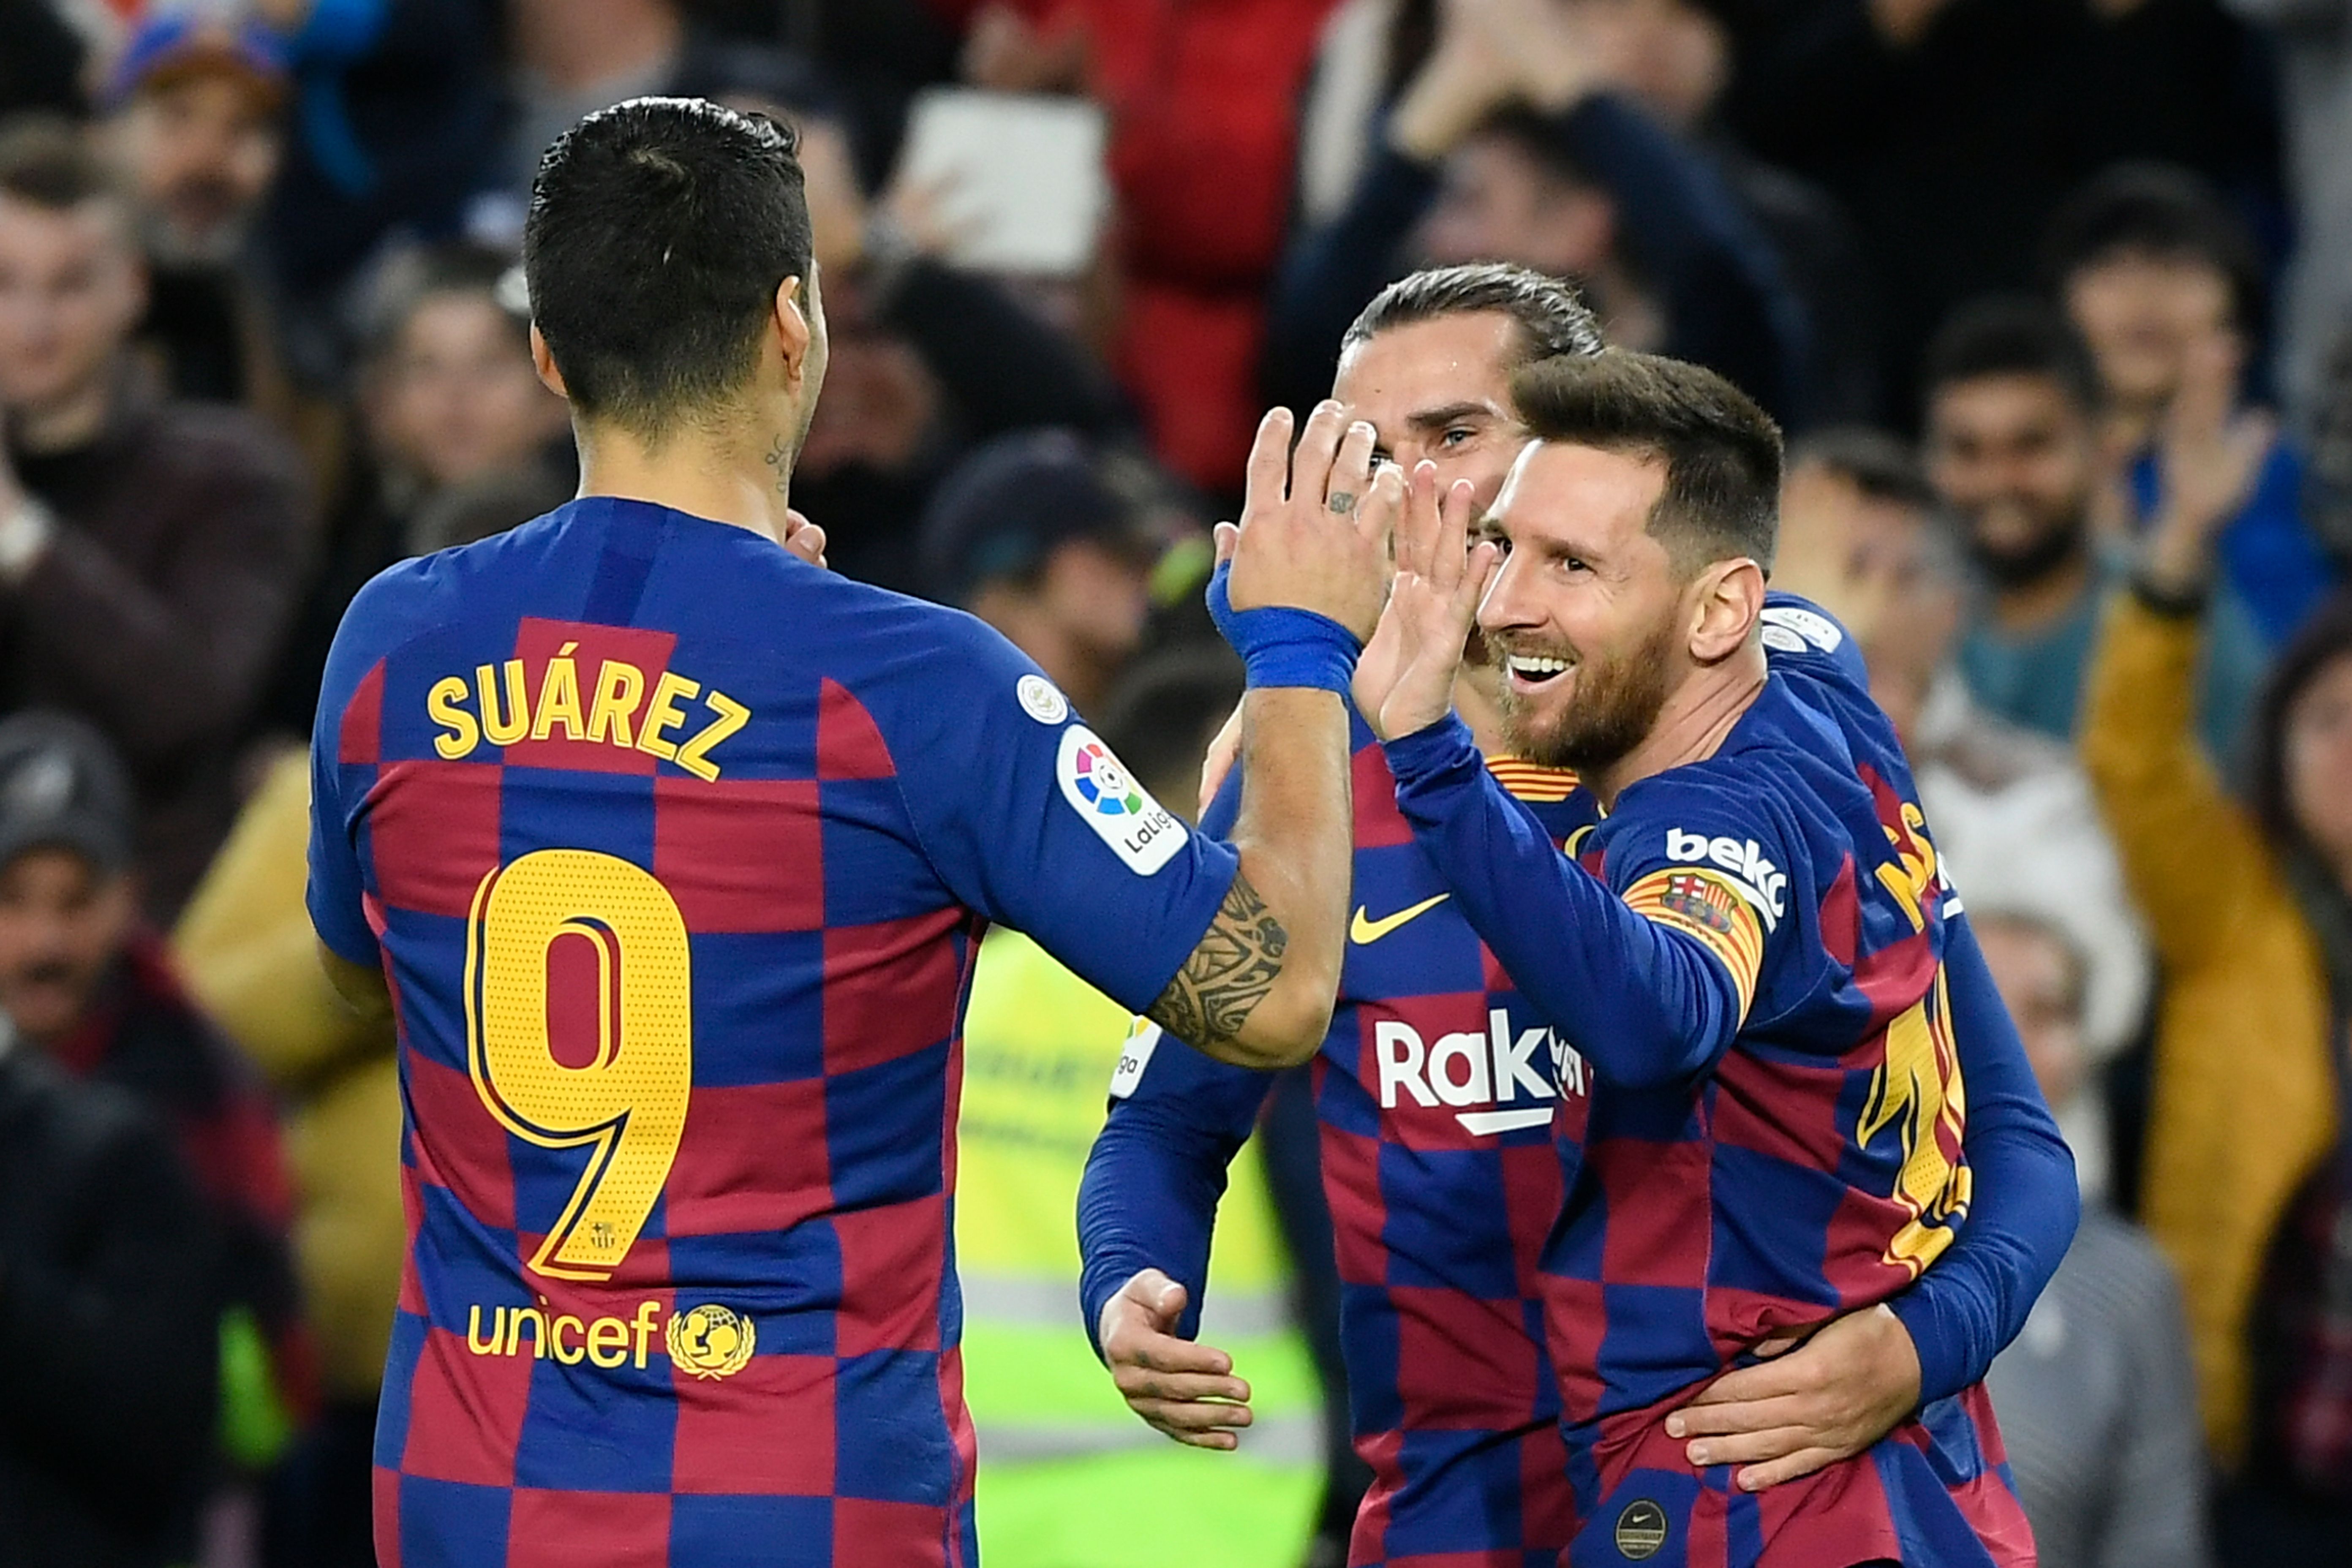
(1757, 879)
(1493, 1069)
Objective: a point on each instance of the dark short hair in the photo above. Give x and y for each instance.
(1880, 466)
(2322, 640)
(2011, 334)
(1722, 453)
(2155, 209)
(49, 163)
(659, 232)
(1550, 315)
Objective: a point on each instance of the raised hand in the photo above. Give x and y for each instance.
(1315, 526)
(2208, 454)
(1183, 1389)
(1404, 681)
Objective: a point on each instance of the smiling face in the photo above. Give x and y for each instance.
(1585, 612)
(2012, 453)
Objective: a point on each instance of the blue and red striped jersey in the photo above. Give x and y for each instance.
(1436, 1090)
(673, 851)
(1774, 1131)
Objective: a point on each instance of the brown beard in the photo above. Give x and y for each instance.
(1617, 703)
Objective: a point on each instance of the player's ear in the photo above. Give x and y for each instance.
(1728, 601)
(795, 331)
(544, 363)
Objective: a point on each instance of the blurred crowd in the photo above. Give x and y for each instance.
(2053, 299)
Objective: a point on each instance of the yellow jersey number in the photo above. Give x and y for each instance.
(627, 1105)
(1918, 1092)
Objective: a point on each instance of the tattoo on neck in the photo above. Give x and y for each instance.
(1228, 975)
(779, 458)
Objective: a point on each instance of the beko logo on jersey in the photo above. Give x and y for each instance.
(1495, 1069)
(1754, 877)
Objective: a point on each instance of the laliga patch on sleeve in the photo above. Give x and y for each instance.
(1819, 630)
(1139, 830)
(1133, 1058)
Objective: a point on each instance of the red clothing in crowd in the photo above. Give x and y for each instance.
(1203, 97)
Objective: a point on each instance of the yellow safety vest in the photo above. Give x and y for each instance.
(1069, 1477)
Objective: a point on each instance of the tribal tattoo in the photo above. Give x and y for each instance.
(1227, 975)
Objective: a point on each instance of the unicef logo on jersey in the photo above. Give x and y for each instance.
(1103, 784)
(1139, 830)
(710, 1341)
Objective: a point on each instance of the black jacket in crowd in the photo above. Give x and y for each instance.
(109, 1320)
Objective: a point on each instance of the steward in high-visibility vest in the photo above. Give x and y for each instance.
(1069, 1477)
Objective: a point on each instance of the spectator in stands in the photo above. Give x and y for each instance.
(83, 980)
(150, 550)
(106, 1422)
(1505, 145)
(2097, 1396)
(2150, 266)
(1202, 100)
(2245, 1184)
(1028, 535)
(251, 959)
(391, 133)
(927, 361)
(1674, 57)
(570, 58)
(2013, 818)
(1952, 129)
(2314, 44)
(2012, 406)
(194, 112)
(459, 440)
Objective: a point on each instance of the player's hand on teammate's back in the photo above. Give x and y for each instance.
(1314, 533)
(1404, 681)
(1184, 1389)
(1838, 1392)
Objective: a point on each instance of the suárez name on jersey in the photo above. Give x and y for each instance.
(1490, 1070)
(617, 706)
(1757, 879)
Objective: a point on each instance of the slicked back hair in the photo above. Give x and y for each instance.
(659, 232)
(1550, 315)
(1721, 452)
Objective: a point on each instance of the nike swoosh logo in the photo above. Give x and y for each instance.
(1361, 930)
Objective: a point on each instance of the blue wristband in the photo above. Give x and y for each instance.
(1284, 646)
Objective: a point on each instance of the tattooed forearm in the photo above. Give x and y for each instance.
(1228, 974)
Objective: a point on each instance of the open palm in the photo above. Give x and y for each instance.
(1404, 680)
